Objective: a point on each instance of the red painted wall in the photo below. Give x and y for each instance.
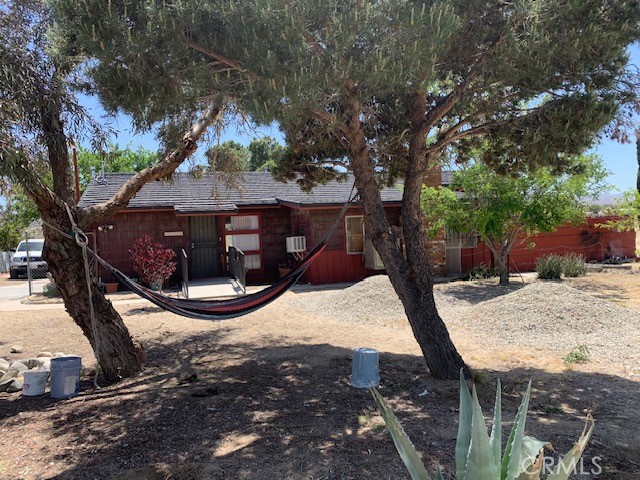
(592, 242)
(334, 265)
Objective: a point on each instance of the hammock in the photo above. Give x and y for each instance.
(219, 309)
(235, 307)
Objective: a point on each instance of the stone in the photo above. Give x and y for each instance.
(45, 354)
(7, 377)
(32, 362)
(45, 362)
(4, 364)
(59, 354)
(14, 386)
(16, 349)
(18, 366)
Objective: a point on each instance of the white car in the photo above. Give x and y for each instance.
(18, 265)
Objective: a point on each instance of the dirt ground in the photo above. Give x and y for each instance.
(271, 399)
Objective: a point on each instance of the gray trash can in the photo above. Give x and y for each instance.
(365, 369)
(65, 376)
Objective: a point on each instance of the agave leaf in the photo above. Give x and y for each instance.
(532, 448)
(439, 474)
(401, 440)
(532, 472)
(511, 459)
(496, 429)
(464, 429)
(480, 460)
(570, 460)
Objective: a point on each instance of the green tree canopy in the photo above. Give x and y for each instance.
(380, 88)
(115, 159)
(228, 156)
(502, 208)
(265, 153)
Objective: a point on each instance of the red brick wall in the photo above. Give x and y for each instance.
(436, 246)
(588, 240)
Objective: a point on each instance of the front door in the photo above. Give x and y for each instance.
(204, 247)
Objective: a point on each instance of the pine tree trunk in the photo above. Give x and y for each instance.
(413, 283)
(411, 277)
(115, 348)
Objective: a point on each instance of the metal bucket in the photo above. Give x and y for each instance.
(365, 369)
(65, 376)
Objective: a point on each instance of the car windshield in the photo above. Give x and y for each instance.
(34, 246)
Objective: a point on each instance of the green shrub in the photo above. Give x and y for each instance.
(579, 354)
(479, 455)
(574, 265)
(550, 267)
(480, 272)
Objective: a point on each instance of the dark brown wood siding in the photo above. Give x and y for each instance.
(114, 244)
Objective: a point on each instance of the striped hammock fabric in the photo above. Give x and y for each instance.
(219, 309)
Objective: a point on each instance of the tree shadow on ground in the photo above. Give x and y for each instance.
(477, 292)
(287, 411)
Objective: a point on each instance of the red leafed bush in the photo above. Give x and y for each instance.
(152, 260)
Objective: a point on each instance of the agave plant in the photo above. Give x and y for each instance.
(479, 454)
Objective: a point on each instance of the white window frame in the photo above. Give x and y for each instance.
(347, 234)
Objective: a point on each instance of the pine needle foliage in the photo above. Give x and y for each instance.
(538, 77)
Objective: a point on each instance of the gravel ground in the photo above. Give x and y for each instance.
(539, 314)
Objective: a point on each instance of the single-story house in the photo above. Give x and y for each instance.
(273, 222)
(270, 221)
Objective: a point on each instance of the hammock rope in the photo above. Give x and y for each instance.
(215, 309)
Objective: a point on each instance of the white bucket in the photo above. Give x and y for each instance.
(35, 382)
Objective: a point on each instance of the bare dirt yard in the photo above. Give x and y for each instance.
(267, 396)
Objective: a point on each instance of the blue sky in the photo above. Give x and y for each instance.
(620, 159)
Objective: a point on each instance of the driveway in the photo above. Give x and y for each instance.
(19, 288)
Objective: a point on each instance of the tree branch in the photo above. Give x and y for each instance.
(92, 215)
(445, 104)
(451, 136)
(233, 64)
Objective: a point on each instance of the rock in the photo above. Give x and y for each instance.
(4, 364)
(7, 377)
(14, 386)
(18, 366)
(17, 349)
(45, 362)
(32, 362)
(45, 354)
(59, 354)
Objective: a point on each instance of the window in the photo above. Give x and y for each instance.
(355, 234)
(245, 237)
(460, 240)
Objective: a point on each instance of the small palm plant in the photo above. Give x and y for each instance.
(479, 455)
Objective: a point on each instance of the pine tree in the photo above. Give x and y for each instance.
(381, 88)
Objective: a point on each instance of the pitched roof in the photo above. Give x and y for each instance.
(186, 194)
